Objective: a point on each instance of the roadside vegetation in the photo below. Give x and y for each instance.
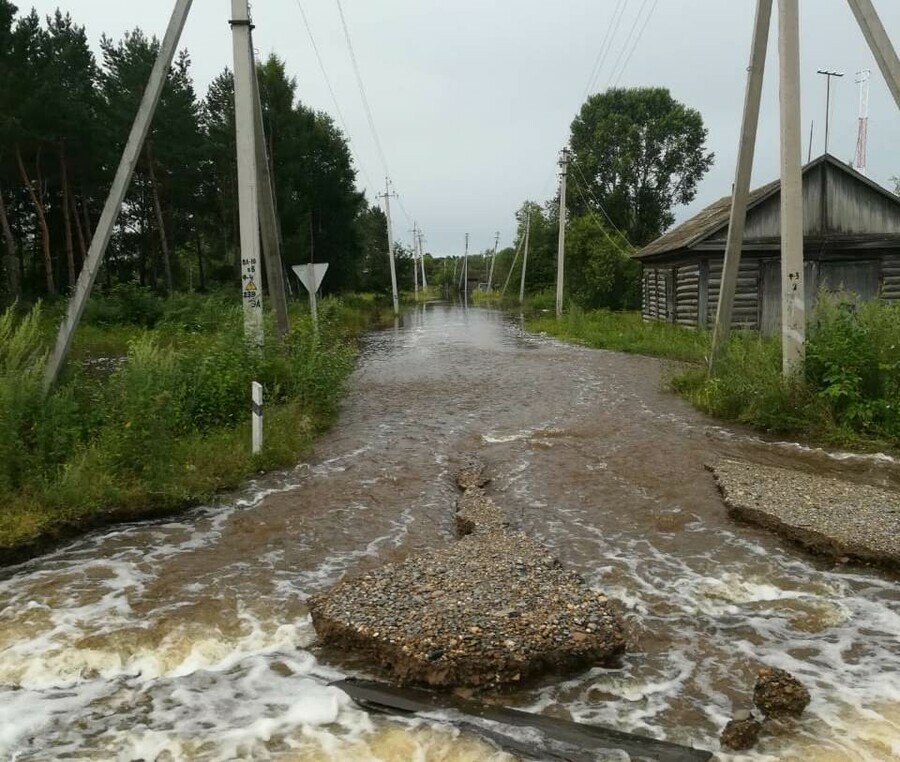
(154, 412)
(847, 395)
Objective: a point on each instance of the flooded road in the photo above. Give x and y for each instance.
(190, 639)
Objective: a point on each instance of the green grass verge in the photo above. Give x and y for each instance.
(153, 418)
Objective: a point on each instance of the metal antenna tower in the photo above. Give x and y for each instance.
(862, 79)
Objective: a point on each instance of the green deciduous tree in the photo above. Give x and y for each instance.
(637, 153)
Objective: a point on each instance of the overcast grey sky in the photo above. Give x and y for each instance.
(472, 99)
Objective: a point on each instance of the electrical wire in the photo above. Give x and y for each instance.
(334, 100)
(634, 26)
(362, 88)
(609, 238)
(636, 42)
(587, 188)
(605, 46)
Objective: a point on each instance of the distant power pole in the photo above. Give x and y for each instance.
(493, 260)
(390, 233)
(415, 256)
(828, 75)
(525, 258)
(422, 258)
(561, 252)
(862, 138)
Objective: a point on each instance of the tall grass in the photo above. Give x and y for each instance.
(624, 332)
(168, 423)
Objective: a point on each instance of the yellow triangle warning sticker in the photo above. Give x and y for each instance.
(251, 286)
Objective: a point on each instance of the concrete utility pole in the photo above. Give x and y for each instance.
(415, 256)
(561, 252)
(493, 260)
(743, 172)
(268, 218)
(828, 75)
(119, 189)
(465, 271)
(247, 171)
(422, 259)
(390, 234)
(525, 257)
(880, 44)
(793, 313)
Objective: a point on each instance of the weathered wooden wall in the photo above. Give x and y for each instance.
(890, 277)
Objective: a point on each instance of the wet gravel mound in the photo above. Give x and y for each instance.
(827, 515)
(494, 608)
(476, 512)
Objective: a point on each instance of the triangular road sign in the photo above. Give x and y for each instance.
(312, 280)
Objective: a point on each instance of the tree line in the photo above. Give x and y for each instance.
(64, 119)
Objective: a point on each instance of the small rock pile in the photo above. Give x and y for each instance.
(493, 608)
(778, 695)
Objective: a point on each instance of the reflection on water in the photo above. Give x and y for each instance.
(190, 639)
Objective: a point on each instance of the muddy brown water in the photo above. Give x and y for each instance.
(190, 639)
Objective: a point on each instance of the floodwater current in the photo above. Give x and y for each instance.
(189, 639)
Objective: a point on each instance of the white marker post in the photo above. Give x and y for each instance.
(257, 417)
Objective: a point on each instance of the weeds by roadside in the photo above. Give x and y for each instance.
(165, 423)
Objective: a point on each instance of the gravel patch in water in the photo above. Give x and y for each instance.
(493, 608)
(827, 515)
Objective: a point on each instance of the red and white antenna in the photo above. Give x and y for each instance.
(862, 79)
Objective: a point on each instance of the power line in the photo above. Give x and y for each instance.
(605, 46)
(614, 28)
(631, 32)
(334, 100)
(587, 188)
(612, 240)
(636, 42)
(362, 87)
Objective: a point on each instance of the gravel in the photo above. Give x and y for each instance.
(493, 608)
(828, 515)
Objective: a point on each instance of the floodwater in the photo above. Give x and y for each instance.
(190, 639)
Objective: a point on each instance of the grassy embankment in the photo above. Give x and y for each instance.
(848, 393)
(153, 414)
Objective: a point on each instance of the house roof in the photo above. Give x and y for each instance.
(716, 216)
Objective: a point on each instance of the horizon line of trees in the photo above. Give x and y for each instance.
(64, 119)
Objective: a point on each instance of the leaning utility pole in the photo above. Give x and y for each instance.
(525, 257)
(493, 260)
(122, 181)
(793, 310)
(828, 75)
(390, 233)
(268, 218)
(744, 169)
(561, 251)
(880, 44)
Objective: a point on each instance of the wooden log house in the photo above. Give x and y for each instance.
(851, 243)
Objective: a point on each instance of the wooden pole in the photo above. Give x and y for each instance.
(744, 170)
(525, 257)
(128, 162)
